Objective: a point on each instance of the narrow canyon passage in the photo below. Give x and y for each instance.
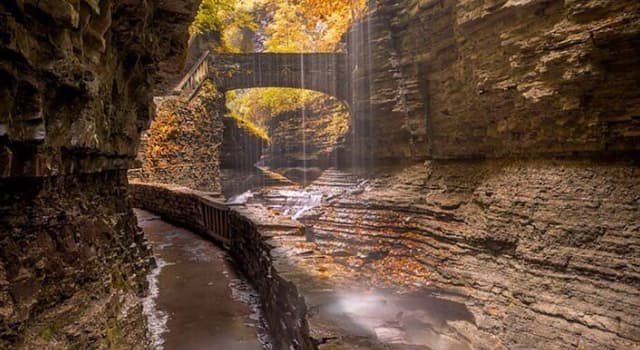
(197, 301)
(320, 174)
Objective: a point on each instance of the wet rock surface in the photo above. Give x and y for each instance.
(197, 300)
(282, 306)
(342, 309)
(531, 254)
(72, 264)
(448, 255)
(239, 182)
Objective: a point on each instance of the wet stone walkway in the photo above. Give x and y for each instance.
(196, 299)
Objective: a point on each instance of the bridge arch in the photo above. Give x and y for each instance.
(323, 72)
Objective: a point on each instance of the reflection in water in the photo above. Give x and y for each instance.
(411, 319)
(243, 292)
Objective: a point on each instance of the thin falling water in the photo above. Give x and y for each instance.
(370, 64)
(304, 122)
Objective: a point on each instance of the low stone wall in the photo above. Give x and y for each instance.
(284, 308)
(177, 204)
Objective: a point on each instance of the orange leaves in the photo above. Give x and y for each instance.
(310, 25)
(402, 270)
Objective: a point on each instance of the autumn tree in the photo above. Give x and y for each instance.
(226, 25)
(282, 26)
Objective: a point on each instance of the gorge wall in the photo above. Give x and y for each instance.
(76, 79)
(544, 252)
(462, 79)
(307, 139)
(242, 147)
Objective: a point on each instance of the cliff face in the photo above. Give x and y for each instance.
(241, 146)
(76, 79)
(309, 142)
(460, 79)
(544, 255)
(73, 264)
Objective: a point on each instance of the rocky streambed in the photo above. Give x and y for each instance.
(459, 254)
(440, 255)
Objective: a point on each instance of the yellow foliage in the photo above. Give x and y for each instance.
(262, 104)
(249, 126)
(284, 26)
(310, 25)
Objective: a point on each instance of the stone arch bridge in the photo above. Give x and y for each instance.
(323, 72)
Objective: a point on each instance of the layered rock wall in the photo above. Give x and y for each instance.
(307, 138)
(73, 264)
(76, 79)
(461, 79)
(242, 148)
(544, 254)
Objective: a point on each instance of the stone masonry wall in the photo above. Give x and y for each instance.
(183, 143)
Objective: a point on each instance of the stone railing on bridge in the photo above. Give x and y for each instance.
(323, 72)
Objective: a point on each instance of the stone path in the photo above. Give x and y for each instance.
(197, 301)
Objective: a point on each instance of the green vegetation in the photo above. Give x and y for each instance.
(119, 280)
(51, 331)
(114, 336)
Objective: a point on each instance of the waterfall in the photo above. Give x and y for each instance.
(304, 136)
